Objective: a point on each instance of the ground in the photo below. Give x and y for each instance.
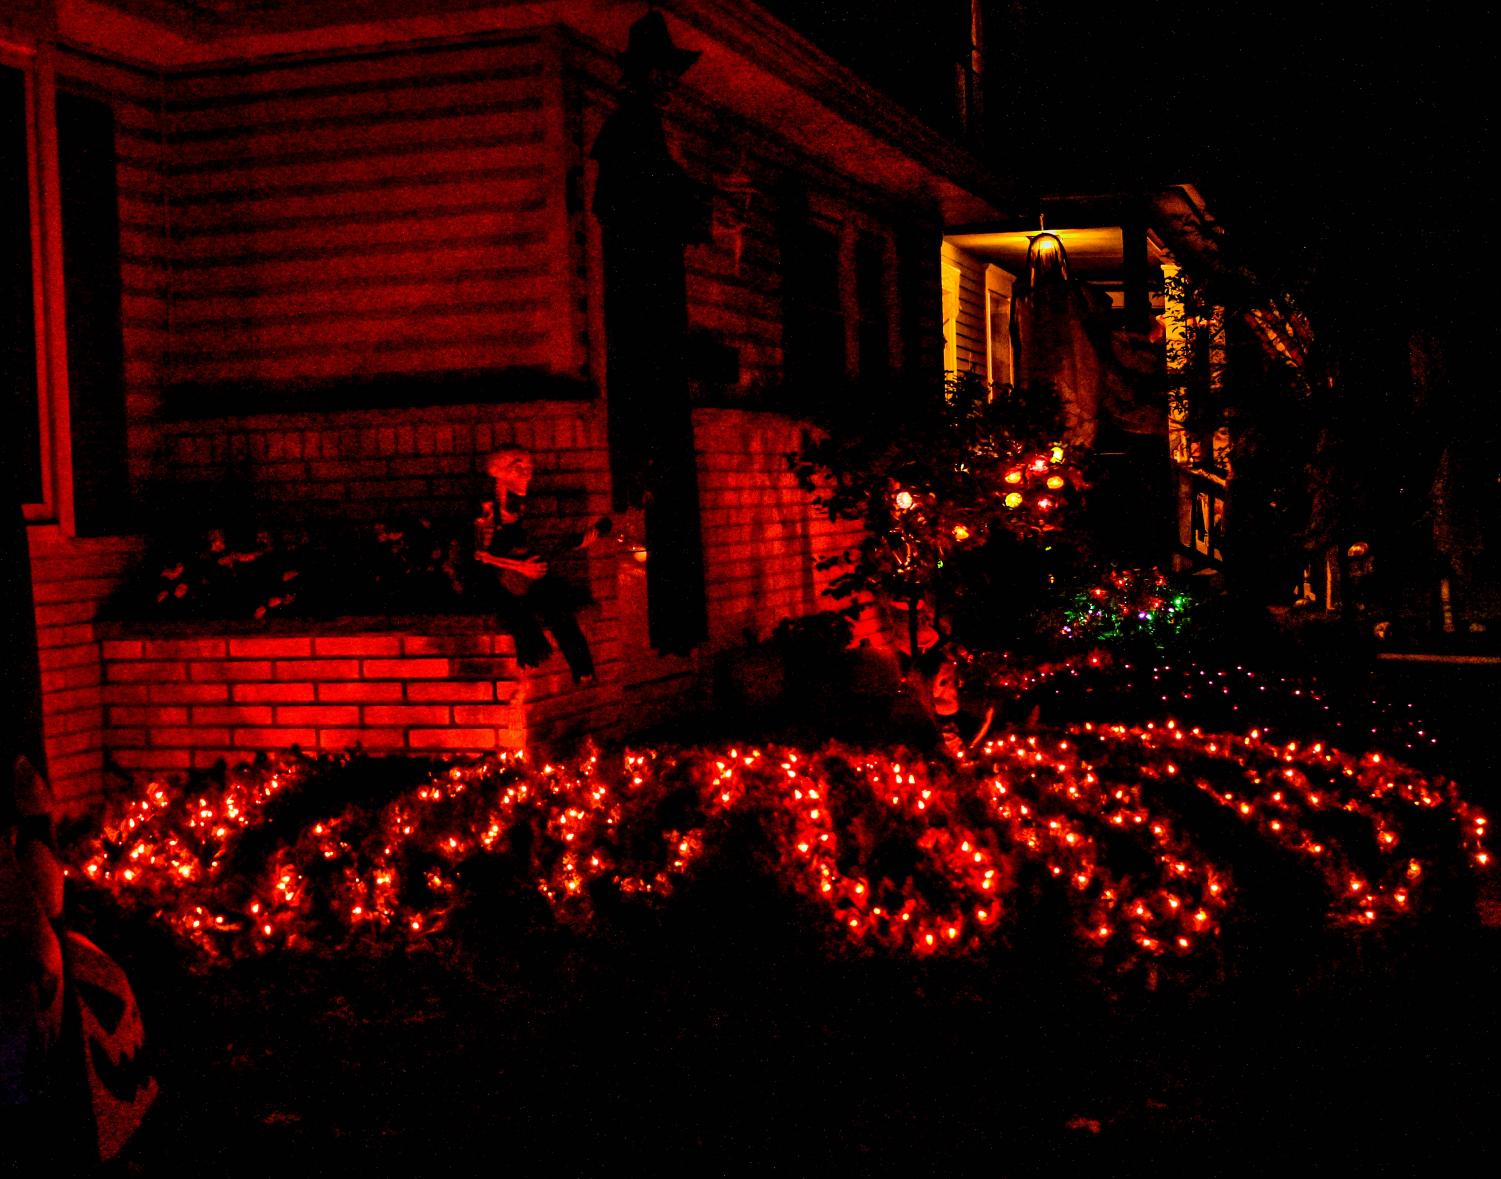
(717, 1036)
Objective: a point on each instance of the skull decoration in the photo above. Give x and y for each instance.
(121, 1089)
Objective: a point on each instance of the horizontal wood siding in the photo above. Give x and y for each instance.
(735, 278)
(971, 341)
(385, 212)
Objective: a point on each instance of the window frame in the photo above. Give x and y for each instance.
(951, 280)
(1000, 364)
(39, 82)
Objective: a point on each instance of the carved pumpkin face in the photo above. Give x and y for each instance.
(31, 978)
(121, 1090)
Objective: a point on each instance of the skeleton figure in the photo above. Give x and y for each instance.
(528, 597)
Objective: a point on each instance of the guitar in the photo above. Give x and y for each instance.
(517, 574)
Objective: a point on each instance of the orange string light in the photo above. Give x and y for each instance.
(1089, 806)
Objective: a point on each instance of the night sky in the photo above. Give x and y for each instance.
(1349, 146)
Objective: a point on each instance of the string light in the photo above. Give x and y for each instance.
(1091, 807)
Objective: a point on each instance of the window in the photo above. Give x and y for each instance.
(998, 362)
(821, 356)
(91, 287)
(62, 369)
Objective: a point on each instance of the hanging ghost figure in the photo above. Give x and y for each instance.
(72, 1086)
(1064, 341)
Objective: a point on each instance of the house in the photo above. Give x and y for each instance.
(321, 258)
(1155, 327)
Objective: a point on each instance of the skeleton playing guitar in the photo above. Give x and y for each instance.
(518, 570)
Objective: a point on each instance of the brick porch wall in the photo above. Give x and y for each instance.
(70, 579)
(169, 698)
(762, 534)
(173, 704)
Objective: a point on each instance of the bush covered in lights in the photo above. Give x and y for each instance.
(1139, 828)
(964, 497)
(1140, 606)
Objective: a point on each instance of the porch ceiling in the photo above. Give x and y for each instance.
(1094, 253)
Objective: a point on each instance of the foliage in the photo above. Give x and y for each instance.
(944, 484)
(1259, 395)
(813, 636)
(1125, 605)
(405, 566)
(1124, 823)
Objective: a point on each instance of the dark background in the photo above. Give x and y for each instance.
(1342, 149)
(1351, 142)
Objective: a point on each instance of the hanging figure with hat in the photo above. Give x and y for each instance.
(649, 209)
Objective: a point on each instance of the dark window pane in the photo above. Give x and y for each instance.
(91, 284)
(812, 314)
(870, 302)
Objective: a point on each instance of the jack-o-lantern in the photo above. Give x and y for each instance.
(121, 1089)
(31, 901)
(31, 983)
(36, 842)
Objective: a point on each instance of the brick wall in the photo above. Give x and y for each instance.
(180, 698)
(762, 533)
(70, 578)
(173, 704)
(345, 469)
(419, 685)
(360, 465)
